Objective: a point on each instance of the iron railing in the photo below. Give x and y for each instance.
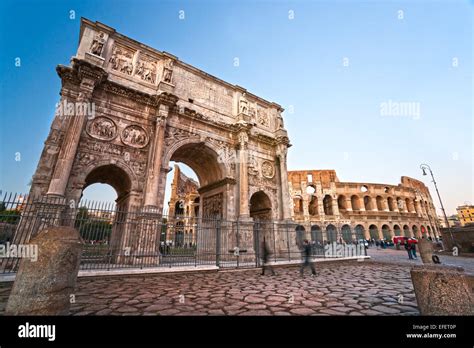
(115, 239)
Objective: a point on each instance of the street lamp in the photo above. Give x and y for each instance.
(423, 168)
(426, 210)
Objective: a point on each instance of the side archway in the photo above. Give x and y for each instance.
(386, 233)
(346, 233)
(374, 232)
(331, 233)
(396, 230)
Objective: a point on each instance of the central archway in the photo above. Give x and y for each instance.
(211, 208)
(211, 173)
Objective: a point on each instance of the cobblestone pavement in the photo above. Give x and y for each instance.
(341, 288)
(401, 257)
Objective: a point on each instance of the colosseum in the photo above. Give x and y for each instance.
(330, 209)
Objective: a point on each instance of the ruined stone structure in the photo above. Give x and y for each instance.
(329, 209)
(184, 198)
(127, 110)
(183, 211)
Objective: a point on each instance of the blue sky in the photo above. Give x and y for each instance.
(330, 67)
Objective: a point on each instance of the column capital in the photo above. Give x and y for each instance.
(165, 98)
(162, 115)
(88, 74)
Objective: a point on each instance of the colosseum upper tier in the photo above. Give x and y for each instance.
(324, 206)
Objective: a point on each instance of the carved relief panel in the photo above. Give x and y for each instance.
(122, 59)
(268, 170)
(134, 136)
(102, 128)
(173, 135)
(91, 151)
(147, 68)
(212, 205)
(263, 118)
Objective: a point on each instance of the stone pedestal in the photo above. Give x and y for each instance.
(145, 243)
(442, 290)
(166, 87)
(44, 286)
(425, 248)
(248, 239)
(96, 60)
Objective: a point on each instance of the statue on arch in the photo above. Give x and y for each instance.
(243, 105)
(98, 44)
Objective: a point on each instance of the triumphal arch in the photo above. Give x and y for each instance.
(126, 110)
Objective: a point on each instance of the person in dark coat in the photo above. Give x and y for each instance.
(307, 259)
(408, 249)
(266, 258)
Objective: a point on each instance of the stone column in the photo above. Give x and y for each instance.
(373, 202)
(285, 194)
(398, 205)
(305, 201)
(385, 204)
(89, 77)
(418, 208)
(244, 212)
(335, 207)
(361, 204)
(425, 248)
(155, 158)
(321, 205)
(348, 204)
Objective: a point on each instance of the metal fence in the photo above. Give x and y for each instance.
(115, 239)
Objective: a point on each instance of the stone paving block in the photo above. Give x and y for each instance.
(243, 293)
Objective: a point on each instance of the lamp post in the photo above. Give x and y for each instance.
(423, 168)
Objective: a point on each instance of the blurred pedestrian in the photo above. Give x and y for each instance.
(307, 259)
(408, 249)
(413, 249)
(265, 258)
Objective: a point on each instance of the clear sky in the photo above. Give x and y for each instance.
(339, 68)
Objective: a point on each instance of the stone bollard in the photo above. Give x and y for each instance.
(425, 247)
(44, 286)
(442, 290)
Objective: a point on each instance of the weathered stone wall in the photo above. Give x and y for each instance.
(463, 238)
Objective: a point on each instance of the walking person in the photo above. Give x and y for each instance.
(408, 249)
(265, 259)
(307, 259)
(413, 249)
